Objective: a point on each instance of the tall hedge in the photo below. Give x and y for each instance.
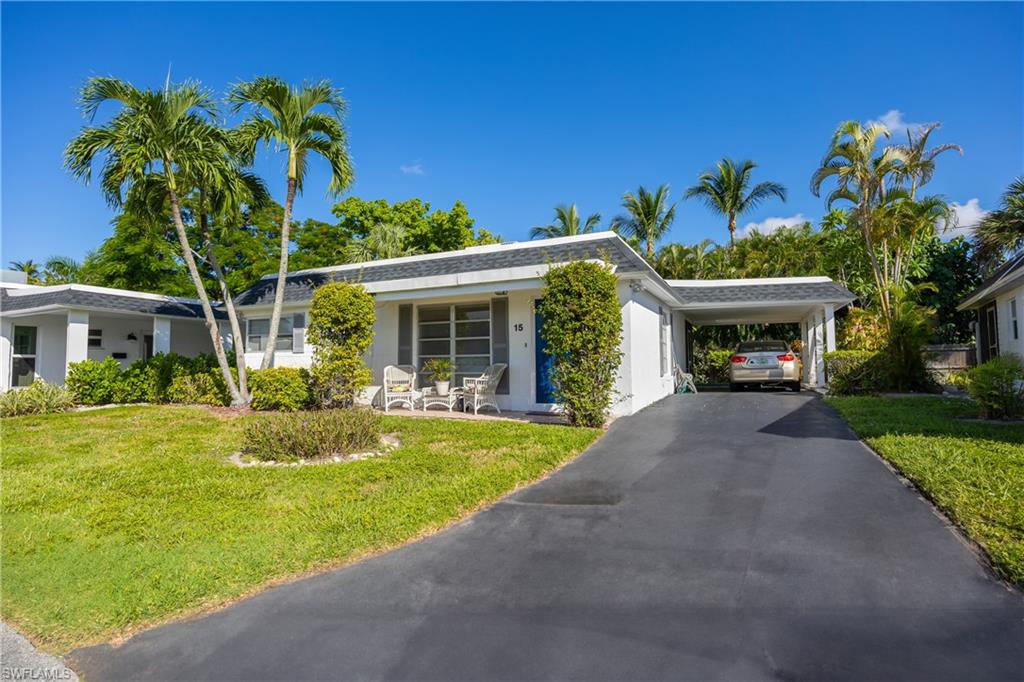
(341, 318)
(582, 330)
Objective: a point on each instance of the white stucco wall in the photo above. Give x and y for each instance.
(1007, 344)
(51, 343)
(189, 337)
(642, 352)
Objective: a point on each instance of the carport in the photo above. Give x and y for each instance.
(811, 302)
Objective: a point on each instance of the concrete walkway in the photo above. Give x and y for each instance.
(714, 536)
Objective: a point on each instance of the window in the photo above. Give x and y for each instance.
(663, 339)
(23, 364)
(258, 329)
(460, 333)
(95, 338)
(1013, 319)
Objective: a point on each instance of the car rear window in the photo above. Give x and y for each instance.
(763, 347)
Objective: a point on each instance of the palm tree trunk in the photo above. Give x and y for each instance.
(197, 280)
(282, 270)
(732, 229)
(229, 303)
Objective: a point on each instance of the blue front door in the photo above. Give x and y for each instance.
(544, 362)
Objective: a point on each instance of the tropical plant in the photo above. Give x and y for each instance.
(567, 223)
(384, 241)
(289, 117)
(918, 165)
(728, 192)
(61, 270)
(863, 178)
(998, 387)
(439, 369)
(142, 255)
(312, 435)
(280, 388)
(37, 398)
(648, 216)
(30, 268)
(582, 331)
(1002, 230)
(157, 137)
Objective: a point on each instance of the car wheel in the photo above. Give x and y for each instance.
(735, 387)
(794, 386)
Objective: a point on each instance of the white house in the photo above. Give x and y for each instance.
(997, 302)
(474, 306)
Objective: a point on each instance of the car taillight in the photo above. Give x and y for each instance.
(737, 359)
(788, 357)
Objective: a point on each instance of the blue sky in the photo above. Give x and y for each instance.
(515, 108)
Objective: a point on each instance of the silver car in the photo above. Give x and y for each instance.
(764, 362)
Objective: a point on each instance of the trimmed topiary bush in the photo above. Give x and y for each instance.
(92, 382)
(312, 435)
(998, 387)
(37, 398)
(279, 388)
(341, 319)
(582, 331)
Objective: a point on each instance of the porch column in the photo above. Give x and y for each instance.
(161, 335)
(808, 351)
(77, 338)
(830, 328)
(6, 336)
(819, 348)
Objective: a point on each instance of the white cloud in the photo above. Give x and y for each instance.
(897, 125)
(412, 169)
(769, 225)
(967, 218)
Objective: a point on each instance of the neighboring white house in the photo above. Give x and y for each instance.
(474, 306)
(997, 303)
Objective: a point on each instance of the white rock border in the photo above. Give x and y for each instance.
(388, 443)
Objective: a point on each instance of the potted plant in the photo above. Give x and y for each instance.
(441, 371)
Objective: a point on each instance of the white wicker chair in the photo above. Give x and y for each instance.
(480, 391)
(400, 386)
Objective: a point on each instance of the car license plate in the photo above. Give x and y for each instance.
(763, 362)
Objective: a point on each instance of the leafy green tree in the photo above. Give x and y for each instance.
(727, 191)
(62, 270)
(289, 117)
(953, 274)
(33, 272)
(1002, 230)
(648, 216)
(140, 256)
(567, 223)
(156, 136)
(582, 330)
(384, 241)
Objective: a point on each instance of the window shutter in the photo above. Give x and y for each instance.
(405, 334)
(499, 339)
(299, 333)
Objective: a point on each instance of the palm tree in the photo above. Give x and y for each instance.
(289, 117)
(861, 179)
(567, 223)
(1002, 230)
(384, 240)
(29, 267)
(648, 216)
(918, 165)
(61, 270)
(158, 136)
(724, 191)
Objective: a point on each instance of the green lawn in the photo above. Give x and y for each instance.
(973, 471)
(122, 517)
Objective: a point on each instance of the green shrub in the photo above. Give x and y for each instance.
(279, 388)
(712, 367)
(136, 384)
(92, 382)
(439, 369)
(341, 319)
(37, 398)
(311, 435)
(857, 371)
(201, 388)
(998, 387)
(582, 331)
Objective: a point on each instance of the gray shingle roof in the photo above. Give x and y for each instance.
(775, 292)
(78, 298)
(299, 286)
(1001, 273)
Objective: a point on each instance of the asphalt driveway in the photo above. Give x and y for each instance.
(718, 536)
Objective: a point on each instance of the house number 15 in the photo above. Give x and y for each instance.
(518, 326)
